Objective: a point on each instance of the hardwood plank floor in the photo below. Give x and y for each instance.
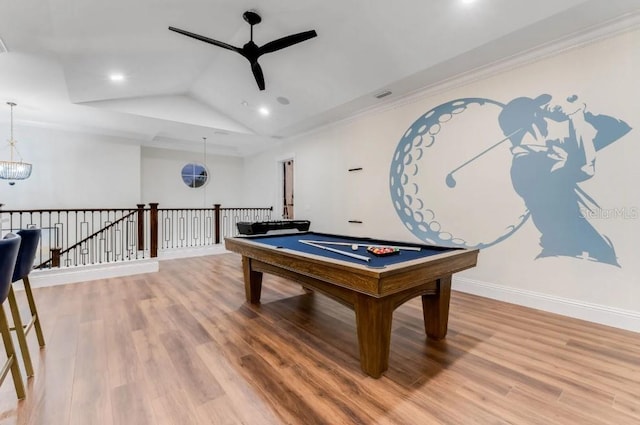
(181, 347)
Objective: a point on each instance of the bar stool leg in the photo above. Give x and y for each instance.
(34, 311)
(12, 361)
(19, 328)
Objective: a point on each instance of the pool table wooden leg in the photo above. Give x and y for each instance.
(435, 309)
(373, 320)
(252, 282)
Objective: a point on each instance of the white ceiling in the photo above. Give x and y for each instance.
(178, 90)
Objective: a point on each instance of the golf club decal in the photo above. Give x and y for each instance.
(526, 159)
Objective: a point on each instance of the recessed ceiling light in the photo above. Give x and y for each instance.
(263, 111)
(116, 78)
(468, 1)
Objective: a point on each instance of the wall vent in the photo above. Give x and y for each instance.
(383, 94)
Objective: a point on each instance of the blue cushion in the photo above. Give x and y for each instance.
(27, 253)
(9, 247)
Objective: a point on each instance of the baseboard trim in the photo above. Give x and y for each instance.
(62, 276)
(53, 277)
(618, 318)
(172, 254)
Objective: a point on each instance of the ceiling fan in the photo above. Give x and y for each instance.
(251, 51)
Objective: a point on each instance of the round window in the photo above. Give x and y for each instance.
(194, 175)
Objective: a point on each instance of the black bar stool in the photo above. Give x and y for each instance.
(9, 247)
(24, 265)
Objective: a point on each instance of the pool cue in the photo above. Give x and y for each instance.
(404, 248)
(337, 251)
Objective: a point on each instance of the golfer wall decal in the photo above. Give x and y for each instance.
(533, 155)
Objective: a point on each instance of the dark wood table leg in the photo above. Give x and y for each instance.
(252, 282)
(373, 320)
(435, 309)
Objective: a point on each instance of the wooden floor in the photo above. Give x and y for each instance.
(181, 347)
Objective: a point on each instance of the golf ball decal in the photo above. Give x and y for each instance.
(470, 172)
(422, 184)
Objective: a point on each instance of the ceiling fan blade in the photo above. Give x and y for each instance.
(257, 73)
(287, 41)
(206, 39)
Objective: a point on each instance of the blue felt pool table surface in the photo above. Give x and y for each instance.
(292, 242)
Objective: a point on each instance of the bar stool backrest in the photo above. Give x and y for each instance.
(9, 247)
(27, 252)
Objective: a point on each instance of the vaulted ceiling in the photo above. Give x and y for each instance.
(56, 57)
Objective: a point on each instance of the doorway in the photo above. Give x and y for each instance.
(287, 189)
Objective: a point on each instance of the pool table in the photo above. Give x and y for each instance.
(373, 288)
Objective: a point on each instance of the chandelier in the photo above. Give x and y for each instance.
(14, 170)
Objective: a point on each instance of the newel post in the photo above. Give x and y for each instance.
(153, 228)
(140, 227)
(216, 221)
(55, 257)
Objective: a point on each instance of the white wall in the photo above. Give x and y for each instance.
(78, 170)
(72, 170)
(161, 181)
(319, 186)
(603, 74)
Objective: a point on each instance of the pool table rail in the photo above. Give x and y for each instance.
(377, 282)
